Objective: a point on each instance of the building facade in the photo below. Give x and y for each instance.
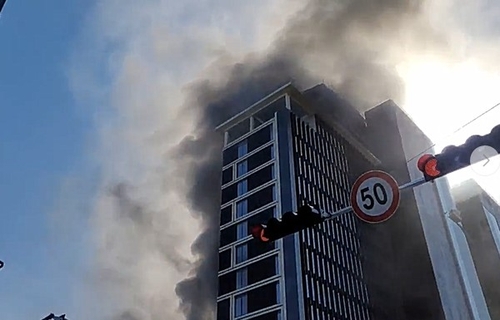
(478, 217)
(292, 148)
(251, 282)
(423, 225)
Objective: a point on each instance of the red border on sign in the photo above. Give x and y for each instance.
(395, 200)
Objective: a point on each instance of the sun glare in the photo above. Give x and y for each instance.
(442, 96)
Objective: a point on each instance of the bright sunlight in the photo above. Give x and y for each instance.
(442, 96)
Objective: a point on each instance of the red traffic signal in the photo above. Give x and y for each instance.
(453, 158)
(290, 223)
(428, 164)
(435, 166)
(257, 232)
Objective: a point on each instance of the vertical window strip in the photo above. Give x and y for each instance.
(318, 290)
(242, 168)
(242, 187)
(313, 289)
(241, 253)
(241, 208)
(308, 290)
(242, 230)
(241, 278)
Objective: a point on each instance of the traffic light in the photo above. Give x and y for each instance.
(453, 158)
(291, 222)
(494, 138)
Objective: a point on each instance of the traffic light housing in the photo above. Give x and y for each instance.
(454, 158)
(291, 222)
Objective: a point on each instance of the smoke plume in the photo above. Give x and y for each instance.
(162, 75)
(348, 45)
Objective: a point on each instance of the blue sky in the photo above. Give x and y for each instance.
(42, 138)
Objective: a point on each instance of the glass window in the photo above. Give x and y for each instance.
(229, 155)
(228, 193)
(225, 259)
(241, 278)
(262, 297)
(241, 208)
(238, 130)
(273, 315)
(242, 168)
(241, 253)
(259, 158)
(252, 249)
(263, 216)
(227, 235)
(242, 187)
(261, 198)
(242, 148)
(259, 138)
(227, 175)
(242, 230)
(260, 177)
(240, 305)
(262, 269)
(227, 283)
(223, 310)
(226, 215)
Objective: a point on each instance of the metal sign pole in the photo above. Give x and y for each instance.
(330, 215)
(412, 184)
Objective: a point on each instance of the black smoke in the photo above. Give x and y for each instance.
(204, 148)
(353, 46)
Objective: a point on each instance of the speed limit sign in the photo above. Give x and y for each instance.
(375, 196)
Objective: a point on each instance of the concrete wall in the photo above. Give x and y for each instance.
(434, 223)
(480, 239)
(412, 261)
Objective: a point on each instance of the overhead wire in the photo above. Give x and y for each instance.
(454, 132)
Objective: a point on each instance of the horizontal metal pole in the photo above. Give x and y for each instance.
(331, 215)
(412, 184)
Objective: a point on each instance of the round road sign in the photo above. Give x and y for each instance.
(375, 196)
